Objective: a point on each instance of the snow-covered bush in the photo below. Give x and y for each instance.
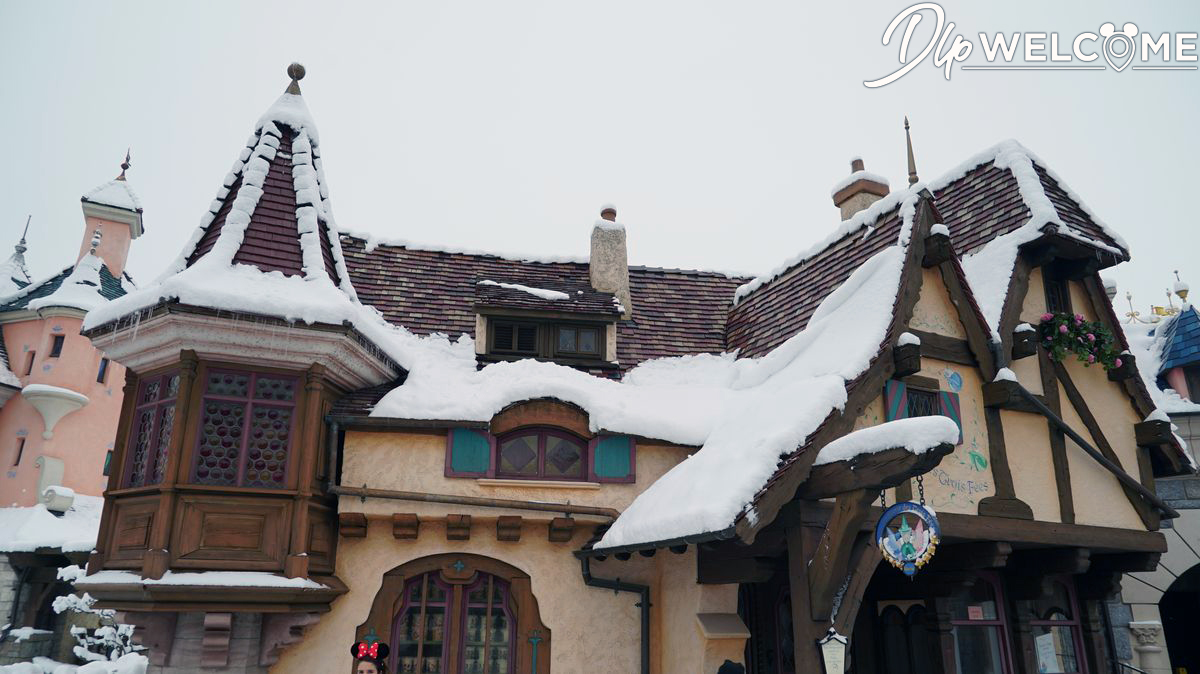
(109, 642)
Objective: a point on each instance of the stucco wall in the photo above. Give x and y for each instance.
(82, 438)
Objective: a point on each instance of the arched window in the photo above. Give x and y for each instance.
(541, 453)
(1054, 627)
(437, 629)
(459, 614)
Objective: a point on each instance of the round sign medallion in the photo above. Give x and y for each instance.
(907, 535)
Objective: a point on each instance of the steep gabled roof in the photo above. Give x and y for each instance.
(1003, 191)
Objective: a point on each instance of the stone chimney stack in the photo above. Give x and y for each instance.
(608, 266)
(858, 190)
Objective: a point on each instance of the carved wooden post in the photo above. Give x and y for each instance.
(158, 556)
(116, 471)
(305, 462)
(801, 543)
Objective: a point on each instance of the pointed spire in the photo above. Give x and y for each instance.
(296, 72)
(124, 165)
(20, 247)
(912, 162)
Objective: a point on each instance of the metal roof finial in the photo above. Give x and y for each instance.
(912, 162)
(20, 247)
(124, 165)
(296, 72)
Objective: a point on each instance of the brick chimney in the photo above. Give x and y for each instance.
(858, 190)
(608, 267)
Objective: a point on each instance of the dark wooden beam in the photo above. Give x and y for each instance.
(882, 470)
(1014, 299)
(1024, 344)
(827, 568)
(959, 527)
(1005, 395)
(949, 349)
(1005, 502)
(864, 559)
(971, 556)
(1144, 510)
(735, 570)
(1032, 571)
(906, 359)
(1127, 562)
(937, 250)
(979, 335)
(1153, 432)
(1127, 369)
(1058, 441)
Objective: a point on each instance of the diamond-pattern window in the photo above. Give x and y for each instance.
(150, 434)
(245, 430)
(544, 454)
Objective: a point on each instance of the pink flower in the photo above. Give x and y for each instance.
(1091, 337)
(1092, 358)
(1117, 363)
(1047, 317)
(1062, 329)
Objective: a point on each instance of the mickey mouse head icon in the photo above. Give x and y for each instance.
(1118, 45)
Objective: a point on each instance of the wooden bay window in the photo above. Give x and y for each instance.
(150, 434)
(246, 428)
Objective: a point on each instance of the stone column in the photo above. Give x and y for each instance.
(1149, 646)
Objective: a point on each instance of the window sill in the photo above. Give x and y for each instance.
(542, 484)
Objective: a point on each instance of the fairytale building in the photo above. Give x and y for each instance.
(515, 465)
(60, 400)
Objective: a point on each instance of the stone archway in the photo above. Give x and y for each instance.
(1180, 611)
(532, 642)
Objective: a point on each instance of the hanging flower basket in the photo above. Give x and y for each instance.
(1063, 334)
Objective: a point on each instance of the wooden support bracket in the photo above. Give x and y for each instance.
(906, 359)
(406, 526)
(352, 525)
(873, 472)
(562, 529)
(1024, 344)
(937, 250)
(827, 568)
(1005, 395)
(508, 528)
(1153, 433)
(458, 527)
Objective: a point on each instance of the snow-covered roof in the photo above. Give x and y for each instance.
(1148, 343)
(116, 193)
(85, 286)
(14, 275)
(236, 245)
(29, 529)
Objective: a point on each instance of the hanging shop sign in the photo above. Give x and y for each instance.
(833, 652)
(907, 535)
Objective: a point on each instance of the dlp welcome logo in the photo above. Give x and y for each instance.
(1119, 47)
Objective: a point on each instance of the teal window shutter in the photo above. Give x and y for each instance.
(895, 400)
(951, 408)
(470, 452)
(613, 459)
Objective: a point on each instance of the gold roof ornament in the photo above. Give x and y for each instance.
(1181, 288)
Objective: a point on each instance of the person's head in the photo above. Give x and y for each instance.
(370, 658)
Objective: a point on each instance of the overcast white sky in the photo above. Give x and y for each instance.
(717, 128)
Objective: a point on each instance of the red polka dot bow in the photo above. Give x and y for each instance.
(368, 651)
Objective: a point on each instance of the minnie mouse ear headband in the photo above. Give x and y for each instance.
(375, 652)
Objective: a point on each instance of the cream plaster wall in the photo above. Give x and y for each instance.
(591, 629)
(1026, 439)
(934, 312)
(1034, 303)
(82, 438)
(408, 461)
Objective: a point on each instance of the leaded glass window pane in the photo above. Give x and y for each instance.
(230, 384)
(166, 424)
(519, 455)
(564, 458)
(922, 403)
(143, 435)
(220, 442)
(243, 440)
(272, 388)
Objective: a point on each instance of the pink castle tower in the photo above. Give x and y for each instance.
(60, 398)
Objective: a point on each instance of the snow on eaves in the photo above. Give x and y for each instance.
(201, 578)
(26, 529)
(1147, 350)
(536, 292)
(917, 435)
(115, 193)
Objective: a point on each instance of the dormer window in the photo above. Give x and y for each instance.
(568, 341)
(516, 338)
(544, 454)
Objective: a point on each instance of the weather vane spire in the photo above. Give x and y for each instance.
(296, 72)
(912, 162)
(124, 165)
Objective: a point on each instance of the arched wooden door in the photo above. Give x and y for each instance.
(459, 614)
